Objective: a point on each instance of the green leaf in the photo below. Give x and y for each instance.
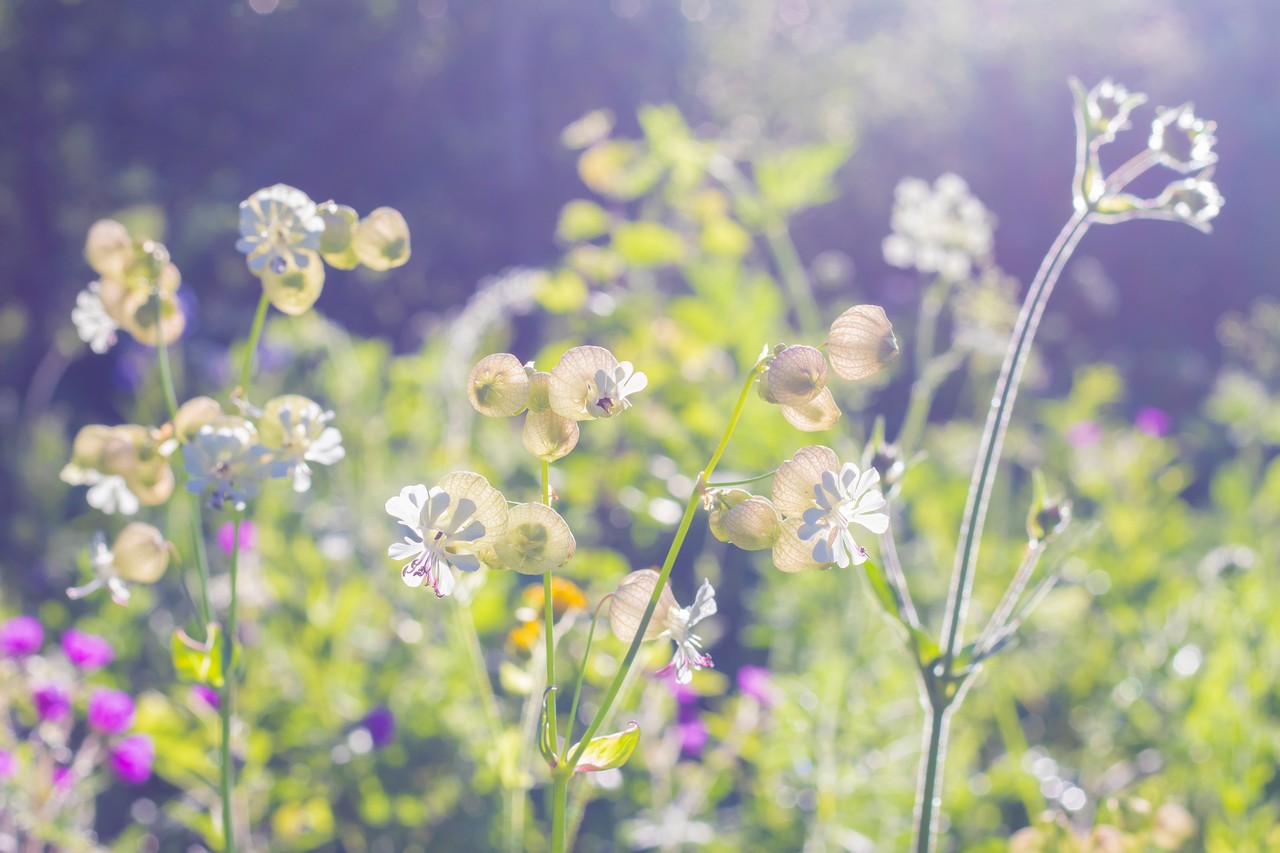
(883, 591)
(927, 648)
(562, 292)
(607, 751)
(581, 219)
(647, 244)
(800, 177)
(199, 662)
(723, 236)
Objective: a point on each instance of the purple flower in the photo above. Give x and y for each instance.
(21, 636)
(52, 702)
(227, 536)
(757, 682)
(381, 725)
(1154, 422)
(87, 651)
(131, 758)
(63, 778)
(693, 736)
(8, 764)
(110, 711)
(207, 695)
(1084, 434)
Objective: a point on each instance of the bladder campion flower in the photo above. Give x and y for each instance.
(448, 526)
(124, 467)
(227, 458)
(499, 386)
(381, 240)
(589, 383)
(296, 429)
(93, 324)
(279, 227)
(861, 342)
(626, 609)
(537, 540)
(843, 500)
(139, 554)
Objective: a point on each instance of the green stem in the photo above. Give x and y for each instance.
(259, 319)
(224, 704)
(559, 810)
(766, 475)
(676, 543)
(925, 386)
(582, 672)
(466, 627)
(794, 278)
(929, 799)
(166, 373)
(548, 616)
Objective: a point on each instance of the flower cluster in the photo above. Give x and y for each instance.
(50, 762)
(944, 229)
(287, 239)
(859, 344)
(137, 290)
(816, 501)
(626, 611)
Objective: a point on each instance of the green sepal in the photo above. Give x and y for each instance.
(607, 751)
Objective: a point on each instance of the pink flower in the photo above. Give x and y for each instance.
(86, 650)
(21, 636)
(1154, 422)
(226, 537)
(757, 682)
(207, 695)
(132, 757)
(110, 711)
(1084, 434)
(52, 702)
(8, 764)
(63, 778)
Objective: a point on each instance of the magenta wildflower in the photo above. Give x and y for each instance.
(1154, 422)
(693, 737)
(380, 723)
(207, 695)
(110, 711)
(87, 651)
(21, 636)
(1084, 434)
(132, 757)
(8, 764)
(226, 537)
(63, 778)
(52, 702)
(757, 682)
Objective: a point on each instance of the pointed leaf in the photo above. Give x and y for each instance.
(200, 662)
(608, 751)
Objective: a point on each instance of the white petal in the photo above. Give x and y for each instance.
(406, 507)
(876, 522)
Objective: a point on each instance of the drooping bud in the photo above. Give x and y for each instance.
(194, 414)
(340, 224)
(1047, 516)
(109, 249)
(627, 606)
(140, 553)
(814, 416)
(381, 241)
(537, 540)
(861, 342)
(794, 376)
(296, 287)
(498, 386)
(718, 502)
(885, 457)
(752, 525)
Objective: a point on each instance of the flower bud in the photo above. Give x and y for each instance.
(719, 502)
(140, 553)
(861, 342)
(1105, 109)
(537, 540)
(194, 414)
(752, 525)
(381, 240)
(549, 436)
(499, 386)
(627, 606)
(794, 376)
(1047, 517)
(108, 248)
(814, 416)
(1195, 201)
(340, 224)
(295, 288)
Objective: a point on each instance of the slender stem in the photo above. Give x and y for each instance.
(582, 672)
(997, 423)
(894, 574)
(794, 277)
(466, 627)
(1130, 169)
(259, 319)
(676, 543)
(548, 616)
(166, 373)
(224, 705)
(924, 387)
(1004, 609)
(929, 799)
(559, 811)
(766, 475)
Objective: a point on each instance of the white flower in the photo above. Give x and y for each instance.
(104, 572)
(93, 324)
(589, 383)
(1182, 141)
(943, 230)
(296, 429)
(680, 621)
(612, 390)
(279, 225)
(228, 459)
(435, 535)
(110, 494)
(840, 502)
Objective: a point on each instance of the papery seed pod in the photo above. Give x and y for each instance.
(537, 540)
(548, 436)
(752, 525)
(814, 416)
(140, 553)
(294, 290)
(791, 553)
(719, 502)
(627, 606)
(340, 224)
(109, 249)
(498, 386)
(194, 414)
(795, 376)
(88, 454)
(861, 342)
(122, 448)
(794, 482)
(573, 385)
(151, 481)
(539, 390)
(137, 314)
(381, 241)
(490, 505)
